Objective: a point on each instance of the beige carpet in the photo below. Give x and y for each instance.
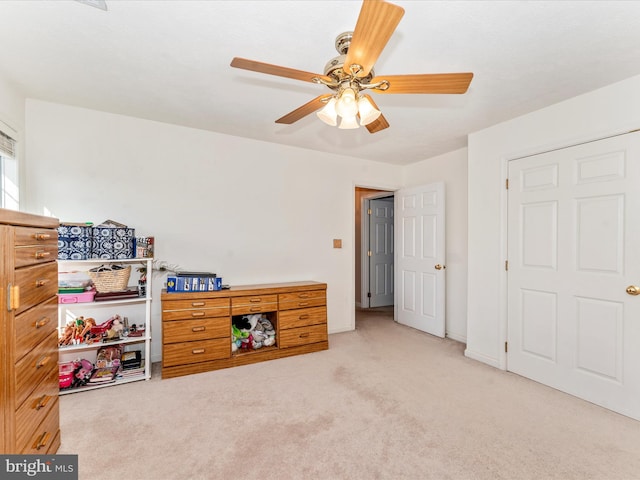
(384, 402)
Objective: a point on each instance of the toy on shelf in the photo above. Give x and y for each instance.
(251, 332)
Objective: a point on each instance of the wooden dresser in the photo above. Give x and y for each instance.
(196, 327)
(29, 416)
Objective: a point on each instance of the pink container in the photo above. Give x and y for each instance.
(83, 297)
(65, 374)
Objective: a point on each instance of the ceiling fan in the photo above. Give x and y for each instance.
(351, 74)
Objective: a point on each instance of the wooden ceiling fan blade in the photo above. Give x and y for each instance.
(379, 123)
(277, 70)
(376, 23)
(301, 112)
(426, 83)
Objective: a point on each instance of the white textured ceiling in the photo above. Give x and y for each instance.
(169, 61)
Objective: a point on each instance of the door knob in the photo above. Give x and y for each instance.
(633, 290)
(440, 267)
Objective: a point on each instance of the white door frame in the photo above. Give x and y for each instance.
(364, 244)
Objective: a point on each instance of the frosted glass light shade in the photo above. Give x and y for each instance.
(368, 113)
(347, 106)
(349, 122)
(328, 113)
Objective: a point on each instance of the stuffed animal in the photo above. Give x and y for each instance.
(116, 328)
(237, 336)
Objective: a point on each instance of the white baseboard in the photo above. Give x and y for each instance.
(456, 337)
(481, 357)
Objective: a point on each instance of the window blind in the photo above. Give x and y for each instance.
(7, 145)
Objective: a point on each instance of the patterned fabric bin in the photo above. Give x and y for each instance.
(74, 241)
(113, 243)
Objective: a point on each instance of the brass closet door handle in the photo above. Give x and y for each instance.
(440, 267)
(633, 290)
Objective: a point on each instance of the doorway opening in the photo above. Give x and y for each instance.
(374, 249)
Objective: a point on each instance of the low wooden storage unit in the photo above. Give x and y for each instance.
(196, 327)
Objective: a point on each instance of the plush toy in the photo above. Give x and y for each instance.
(236, 337)
(116, 328)
(251, 332)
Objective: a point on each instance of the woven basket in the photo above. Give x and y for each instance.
(107, 280)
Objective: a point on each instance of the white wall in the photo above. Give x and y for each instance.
(607, 111)
(251, 211)
(450, 168)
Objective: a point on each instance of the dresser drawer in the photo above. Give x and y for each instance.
(254, 304)
(302, 317)
(37, 406)
(35, 236)
(34, 254)
(190, 330)
(294, 337)
(33, 326)
(200, 308)
(314, 298)
(36, 284)
(194, 352)
(46, 433)
(35, 366)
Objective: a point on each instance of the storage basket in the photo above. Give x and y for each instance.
(110, 278)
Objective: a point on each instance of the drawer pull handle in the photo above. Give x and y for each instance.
(304, 317)
(42, 441)
(198, 304)
(42, 254)
(42, 236)
(42, 361)
(304, 335)
(42, 402)
(303, 295)
(255, 309)
(42, 282)
(13, 291)
(303, 304)
(255, 300)
(196, 351)
(42, 322)
(198, 329)
(197, 314)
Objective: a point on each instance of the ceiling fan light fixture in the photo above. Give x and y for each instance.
(347, 105)
(368, 113)
(328, 113)
(349, 122)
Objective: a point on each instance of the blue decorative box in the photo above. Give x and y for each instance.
(113, 241)
(194, 284)
(74, 241)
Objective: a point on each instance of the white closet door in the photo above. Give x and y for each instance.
(574, 249)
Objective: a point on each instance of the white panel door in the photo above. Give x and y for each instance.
(574, 243)
(420, 258)
(381, 248)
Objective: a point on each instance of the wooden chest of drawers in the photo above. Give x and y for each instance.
(196, 327)
(29, 413)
